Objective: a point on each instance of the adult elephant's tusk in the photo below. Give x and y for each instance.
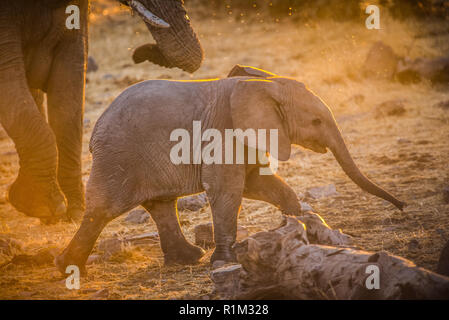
(147, 16)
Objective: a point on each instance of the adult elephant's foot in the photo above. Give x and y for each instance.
(184, 254)
(43, 200)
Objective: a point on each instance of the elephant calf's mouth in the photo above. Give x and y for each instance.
(315, 146)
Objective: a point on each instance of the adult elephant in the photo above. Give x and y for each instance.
(40, 55)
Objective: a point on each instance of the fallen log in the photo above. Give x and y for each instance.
(283, 264)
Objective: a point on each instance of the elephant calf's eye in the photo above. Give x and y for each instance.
(316, 122)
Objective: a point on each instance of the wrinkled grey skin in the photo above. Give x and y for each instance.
(131, 166)
(39, 55)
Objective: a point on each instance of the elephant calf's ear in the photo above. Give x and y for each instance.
(247, 71)
(254, 105)
(150, 52)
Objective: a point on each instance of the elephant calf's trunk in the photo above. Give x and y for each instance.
(345, 160)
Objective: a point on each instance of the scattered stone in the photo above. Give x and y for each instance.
(108, 76)
(143, 239)
(94, 259)
(413, 245)
(412, 71)
(204, 235)
(443, 263)
(322, 192)
(442, 105)
(10, 247)
(305, 207)
(138, 216)
(192, 203)
(446, 194)
(100, 295)
(390, 108)
(403, 141)
(301, 195)
(110, 246)
(92, 65)
(226, 280)
(42, 257)
(381, 62)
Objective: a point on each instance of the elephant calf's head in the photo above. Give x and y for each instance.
(302, 118)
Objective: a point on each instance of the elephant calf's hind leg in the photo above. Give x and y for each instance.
(177, 250)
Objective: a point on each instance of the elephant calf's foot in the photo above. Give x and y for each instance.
(37, 199)
(63, 261)
(185, 254)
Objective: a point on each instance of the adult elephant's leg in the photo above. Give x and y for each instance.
(272, 189)
(65, 113)
(35, 191)
(224, 188)
(177, 250)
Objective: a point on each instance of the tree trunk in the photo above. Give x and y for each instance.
(282, 264)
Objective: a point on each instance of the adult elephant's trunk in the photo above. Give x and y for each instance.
(341, 153)
(177, 44)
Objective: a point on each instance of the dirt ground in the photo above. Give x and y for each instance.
(406, 153)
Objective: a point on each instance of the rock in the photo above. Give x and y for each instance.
(443, 263)
(10, 247)
(108, 76)
(110, 246)
(42, 257)
(138, 216)
(322, 192)
(92, 65)
(413, 245)
(204, 235)
(305, 207)
(390, 108)
(411, 71)
(446, 194)
(226, 280)
(403, 141)
(100, 295)
(381, 62)
(94, 258)
(192, 203)
(144, 238)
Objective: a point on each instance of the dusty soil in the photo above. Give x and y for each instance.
(406, 152)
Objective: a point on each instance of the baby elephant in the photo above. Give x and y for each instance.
(139, 160)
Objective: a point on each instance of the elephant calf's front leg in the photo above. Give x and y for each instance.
(272, 189)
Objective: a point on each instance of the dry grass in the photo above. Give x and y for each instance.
(327, 56)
